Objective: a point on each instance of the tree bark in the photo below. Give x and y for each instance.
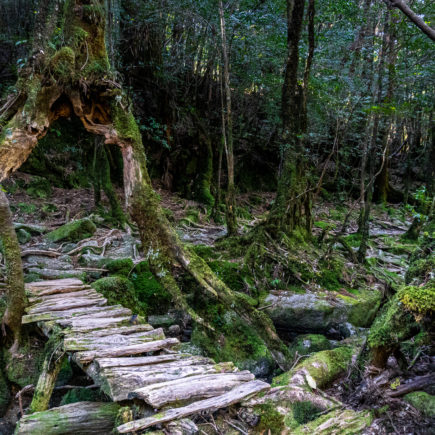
(413, 17)
(228, 137)
(16, 297)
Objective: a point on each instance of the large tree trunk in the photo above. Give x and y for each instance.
(292, 207)
(94, 96)
(16, 297)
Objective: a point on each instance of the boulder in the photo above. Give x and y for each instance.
(73, 231)
(422, 401)
(333, 313)
(309, 343)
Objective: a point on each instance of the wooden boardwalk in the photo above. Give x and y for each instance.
(133, 361)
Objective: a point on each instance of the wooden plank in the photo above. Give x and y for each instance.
(143, 360)
(191, 388)
(54, 283)
(236, 395)
(124, 330)
(75, 418)
(67, 304)
(88, 356)
(58, 290)
(95, 322)
(77, 313)
(84, 342)
(53, 297)
(118, 382)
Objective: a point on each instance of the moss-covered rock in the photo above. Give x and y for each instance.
(339, 422)
(23, 236)
(309, 343)
(120, 267)
(119, 290)
(73, 231)
(422, 401)
(319, 312)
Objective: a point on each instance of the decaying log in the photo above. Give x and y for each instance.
(419, 383)
(88, 356)
(46, 381)
(236, 395)
(191, 388)
(84, 418)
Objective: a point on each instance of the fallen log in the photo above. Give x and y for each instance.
(419, 383)
(235, 395)
(85, 418)
(191, 388)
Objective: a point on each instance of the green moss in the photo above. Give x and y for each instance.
(118, 290)
(337, 422)
(309, 343)
(120, 267)
(23, 236)
(73, 231)
(422, 401)
(62, 64)
(271, 421)
(39, 188)
(304, 412)
(205, 251)
(26, 208)
(324, 367)
(126, 125)
(331, 274)
(149, 291)
(419, 300)
(420, 269)
(353, 240)
(392, 326)
(325, 225)
(364, 307)
(229, 273)
(82, 395)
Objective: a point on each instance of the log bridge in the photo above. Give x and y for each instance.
(129, 362)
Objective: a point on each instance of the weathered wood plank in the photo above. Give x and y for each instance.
(236, 395)
(118, 382)
(84, 342)
(191, 388)
(95, 322)
(84, 418)
(66, 304)
(144, 360)
(77, 313)
(53, 297)
(88, 356)
(123, 330)
(58, 290)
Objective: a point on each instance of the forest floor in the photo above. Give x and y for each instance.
(387, 257)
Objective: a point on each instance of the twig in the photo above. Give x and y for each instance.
(236, 427)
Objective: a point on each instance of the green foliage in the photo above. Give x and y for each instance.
(82, 395)
(229, 273)
(149, 291)
(118, 290)
(419, 300)
(73, 231)
(304, 412)
(422, 401)
(331, 274)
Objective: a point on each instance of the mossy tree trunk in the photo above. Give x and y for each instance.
(77, 80)
(16, 297)
(292, 207)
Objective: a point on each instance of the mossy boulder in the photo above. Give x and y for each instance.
(73, 231)
(23, 236)
(322, 312)
(309, 343)
(119, 290)
(120, 267)
(324, 367)
(422, 401)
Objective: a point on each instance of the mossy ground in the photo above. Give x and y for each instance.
(73, 231)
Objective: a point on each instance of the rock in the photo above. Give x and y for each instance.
(43, 262)
(309, 343)
(56, 274)
(162, 321)
(174, 330)
(73, 231)
(32, 229)
(422, 401)
(321, 312)
(23, 236)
